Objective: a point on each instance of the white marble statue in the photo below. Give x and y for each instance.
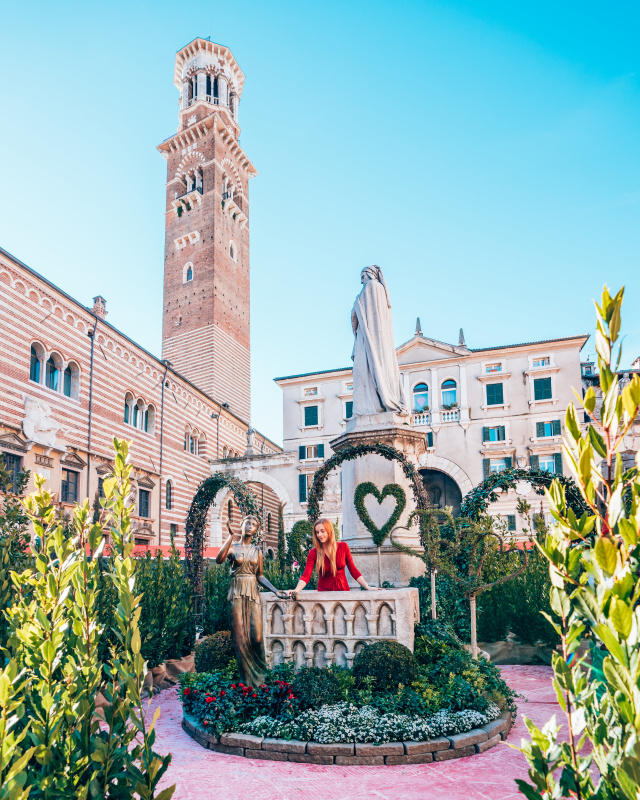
(377, 386)
(39, 425)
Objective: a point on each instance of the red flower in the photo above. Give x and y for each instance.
(241, 684)
(290, 696)
(249, 688)
(233, 686)
(187, 690)
(195, 691)
(209, 699)
(254, 695)
(205, 722)
(222, 693)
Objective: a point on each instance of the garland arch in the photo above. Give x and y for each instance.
(475, 502)
(202, 501)
(353, 452)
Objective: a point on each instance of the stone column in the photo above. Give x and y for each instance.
(185, 93)
(348, 618)
(202, 85)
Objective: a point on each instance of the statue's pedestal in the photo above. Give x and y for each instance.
(393, 430)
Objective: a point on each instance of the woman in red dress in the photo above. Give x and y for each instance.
(330, 558)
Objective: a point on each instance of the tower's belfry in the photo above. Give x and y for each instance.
(205, 330)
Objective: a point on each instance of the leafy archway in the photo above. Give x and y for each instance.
(203, 499)
(350, 454)
(476, 502)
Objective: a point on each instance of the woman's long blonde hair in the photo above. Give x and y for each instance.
(329, 549)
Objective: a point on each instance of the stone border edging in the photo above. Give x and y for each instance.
(444, 748)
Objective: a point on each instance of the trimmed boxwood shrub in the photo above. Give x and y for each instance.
(214, 652)
(315, 686)
(388, 663)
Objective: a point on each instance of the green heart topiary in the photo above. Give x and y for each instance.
(362, 490)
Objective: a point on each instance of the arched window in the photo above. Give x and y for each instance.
(449, 394)
(71, 381)
(192, 444)
(168, 496)
(35, 366)
(421, 397)
(225, 452)
(52, 372)
(233, 253)
(202, 445)
(187, 272)
(138, 414)
(150, 419)
(187, 439)
(128, 408)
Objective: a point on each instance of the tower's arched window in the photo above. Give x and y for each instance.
(138, 414)
(35, 366)
(53, 369)
(187, 272)
(128, 408)
(208, 87)
(215, 89)
(226, 188)
(71, 381)
(168, 496)
(421, 397)
(187, 438)
(449, 393)
(233, 253)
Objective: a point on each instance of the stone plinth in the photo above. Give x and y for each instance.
(393, 430)
(323, 628)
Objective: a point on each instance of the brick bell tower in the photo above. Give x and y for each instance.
(205, 330)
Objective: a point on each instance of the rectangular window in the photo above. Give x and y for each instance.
(13, 465)
(548, 428)
(140, 542)
(311, 451)
(495, 434)
(493, 465)
(511, 522)
(304, 486)
(311, 392)
(311, 415)
(348, 409)
(493, 368)
(542, 389)
(173, 530)
(547, 463)
(495, 394)
(541, 362)
(100, 487)
(69, 489)
(143, 502)
(348, 387)
(429, 438)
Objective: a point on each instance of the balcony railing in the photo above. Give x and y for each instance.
(198, 189)
(453, 415)
(421, 418)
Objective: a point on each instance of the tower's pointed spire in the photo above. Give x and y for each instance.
(418, 328)
(461, 340)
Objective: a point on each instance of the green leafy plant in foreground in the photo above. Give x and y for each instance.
(595, 571)
(55, 742)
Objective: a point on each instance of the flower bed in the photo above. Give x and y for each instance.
(449, 698)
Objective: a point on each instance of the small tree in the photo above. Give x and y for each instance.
(462, 548)
(282, 542)
(594, 564)
(299, 541)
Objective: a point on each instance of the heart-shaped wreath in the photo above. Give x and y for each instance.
(391, 489)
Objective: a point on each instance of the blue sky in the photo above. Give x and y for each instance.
(485, 154)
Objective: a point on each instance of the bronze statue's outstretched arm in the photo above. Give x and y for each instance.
(224, 550)
(267, 583)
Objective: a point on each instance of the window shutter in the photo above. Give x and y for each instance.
(498, 394)
(539, 429)
(508, 463)
(311, 415)
(556, 427)
(537, 389)
(558, 465)
(302, 488)
(486, 467)
(511, 522)
(535, 462)
(349, 409)
(302, 452)
(429, 438)
(321, 451)
(485, 434)
(542, 389)
(501, 433)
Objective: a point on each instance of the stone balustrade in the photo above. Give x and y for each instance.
(323, 628)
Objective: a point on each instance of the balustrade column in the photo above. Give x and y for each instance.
(308, 619)
(328, 618)
(372, 628)
(348, 618)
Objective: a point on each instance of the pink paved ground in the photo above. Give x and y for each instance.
(200, 774)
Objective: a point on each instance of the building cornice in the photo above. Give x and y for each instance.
(198, 46)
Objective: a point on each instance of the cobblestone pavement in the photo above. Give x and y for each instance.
(200, 774)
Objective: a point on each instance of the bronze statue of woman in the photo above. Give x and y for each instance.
(244, 602)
